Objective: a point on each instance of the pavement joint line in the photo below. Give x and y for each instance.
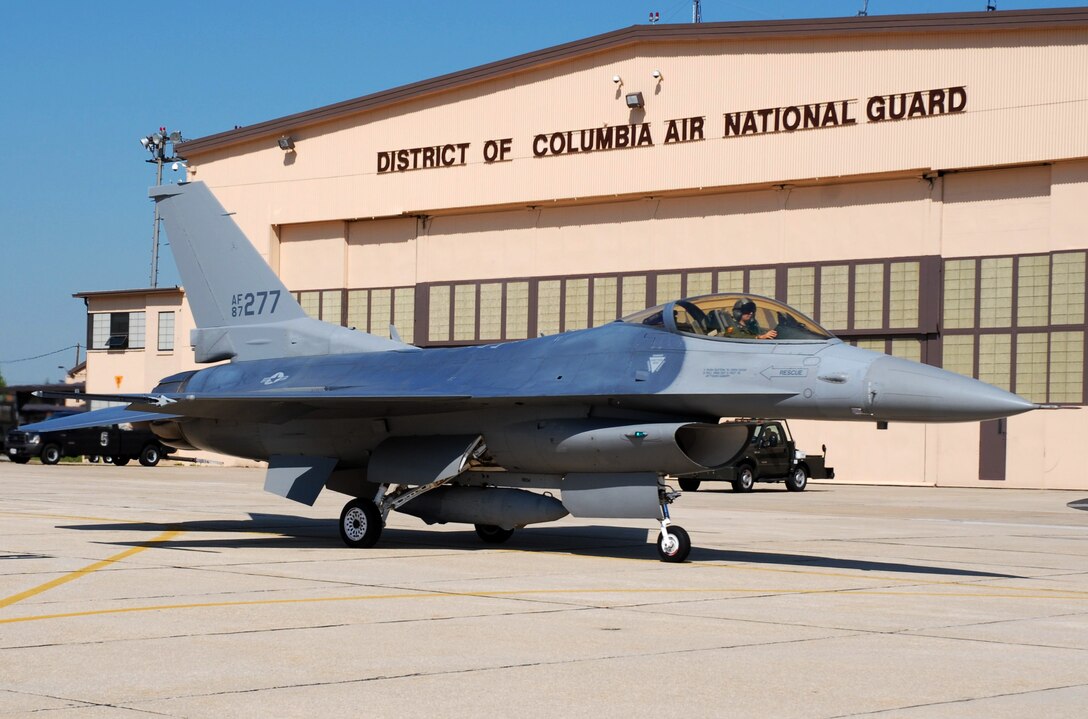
(77, 574)
(906, 581)
(520, 595)
(949, 702)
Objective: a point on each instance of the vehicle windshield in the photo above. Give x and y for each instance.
(732, 316)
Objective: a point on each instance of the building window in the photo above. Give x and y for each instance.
(634, 294)
(1032, 291)
(439, 314)
(763, 282)
(668, 287)
(801, 288)
(1067, 367)
(869, 296)
(959, 354)
(699, 283)
(903, 284)
(117, 330)
(959, 294)
(835, 296)
(576, 305)
(547, 308)
(604, 300)
(995, 292)
(166, 332)
(1067, 289)
(1031, 366)
(464, 312)
(100, 330)
(1032, 300)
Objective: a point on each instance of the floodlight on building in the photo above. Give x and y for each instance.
(656, 74)
(286, 143)
(617, 79)
(633, 100)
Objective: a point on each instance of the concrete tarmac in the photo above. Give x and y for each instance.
(189, 592)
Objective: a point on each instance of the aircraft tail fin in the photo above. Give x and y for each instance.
(242, 309)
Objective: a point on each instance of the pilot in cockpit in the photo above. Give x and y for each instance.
(744, 323)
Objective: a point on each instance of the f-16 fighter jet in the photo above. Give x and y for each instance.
(506, 435)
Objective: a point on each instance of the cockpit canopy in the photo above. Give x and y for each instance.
(732, 316)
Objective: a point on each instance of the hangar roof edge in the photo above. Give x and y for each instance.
(1004, 20)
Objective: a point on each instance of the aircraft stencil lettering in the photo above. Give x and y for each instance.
(507, 435)
(253, 303)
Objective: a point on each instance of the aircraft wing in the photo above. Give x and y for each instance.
(97, 418)
(342, 402)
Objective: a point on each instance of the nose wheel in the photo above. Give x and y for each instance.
(361, 523)
(673, 543)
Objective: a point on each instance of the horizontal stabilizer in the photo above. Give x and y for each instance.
(97, 418)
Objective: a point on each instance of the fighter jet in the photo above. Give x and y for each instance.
(500, 436)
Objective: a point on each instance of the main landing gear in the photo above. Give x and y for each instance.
(361, 523)
(363, 519)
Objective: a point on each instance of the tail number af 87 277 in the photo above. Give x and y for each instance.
(247, 304)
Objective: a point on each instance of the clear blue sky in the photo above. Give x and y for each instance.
(81, 82)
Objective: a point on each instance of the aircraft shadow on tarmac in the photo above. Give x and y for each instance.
(289, 532)
(1079, 504)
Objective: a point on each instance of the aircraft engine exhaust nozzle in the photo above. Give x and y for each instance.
(506, 508)
(906, 391)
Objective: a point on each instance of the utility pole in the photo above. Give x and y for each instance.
(696, 11)
(156, 145)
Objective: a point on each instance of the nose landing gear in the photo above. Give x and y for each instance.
(673, 542)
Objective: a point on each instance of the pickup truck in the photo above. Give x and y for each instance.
(109, 443)
(769, 455)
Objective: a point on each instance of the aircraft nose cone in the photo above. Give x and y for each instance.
(909, 391)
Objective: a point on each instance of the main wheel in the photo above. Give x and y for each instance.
(689, 485)
(360, 523)
(492, 534)
(92, 458)
(121, 461)
(50, 454)
(745, 479)
(798, 479)
(678, 546)
(150, 456)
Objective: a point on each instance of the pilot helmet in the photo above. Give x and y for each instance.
(742, 306)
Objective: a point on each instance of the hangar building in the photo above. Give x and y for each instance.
(915, 183)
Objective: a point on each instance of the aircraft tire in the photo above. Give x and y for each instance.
(679, 546)
(798, 479)
(360, 524)
(50, 454)
(689, 485)
(745, 480)
(150, 456)
(92, 458)
(120, 461)
(492, 534)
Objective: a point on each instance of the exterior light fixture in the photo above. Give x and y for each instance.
(156, 143)
(286, 143)
(633, 100)
(617, 79)
(656, 74)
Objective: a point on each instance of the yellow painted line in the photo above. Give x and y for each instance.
(42, 515)
(528, 593)
(72, 576)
